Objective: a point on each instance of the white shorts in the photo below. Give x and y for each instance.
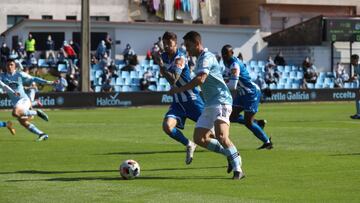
(23, 103)
(213, 113)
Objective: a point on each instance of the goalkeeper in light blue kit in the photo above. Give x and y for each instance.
(247, 97)
(20, 100)
(218, 103)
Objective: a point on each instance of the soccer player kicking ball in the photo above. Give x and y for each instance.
(218, 103)
(247, 96)
(20, 101)
(187, 104)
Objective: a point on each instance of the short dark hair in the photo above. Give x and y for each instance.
(226, 48)
(354, 57)
(10, 60)
(169, 36)
(192, 36)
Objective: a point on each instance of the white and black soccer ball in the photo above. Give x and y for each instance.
(129, 169)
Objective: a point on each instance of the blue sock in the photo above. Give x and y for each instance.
(30, 113)
(177, 135)
(2, 124)
(215, 146)
(32, 128)
(255, 129)
(234, 158)
(358, 107)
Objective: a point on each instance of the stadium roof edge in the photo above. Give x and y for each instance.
(23, 21)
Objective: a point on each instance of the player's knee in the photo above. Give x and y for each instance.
(16, 113)
(167, 129)
(200, 140)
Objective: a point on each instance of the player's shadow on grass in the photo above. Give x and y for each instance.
(150, 152)
(106, 171)
(112, 178)
(349, 154)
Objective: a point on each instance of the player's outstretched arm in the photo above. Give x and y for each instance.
(196, 81)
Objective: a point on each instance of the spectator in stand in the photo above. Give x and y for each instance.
(108, 44)
(271, 73)
(127, 53)
(100, 50)
(20, 50)
(49, 48)
(104, 62)
(69, 51)
(93, 59)
(279, 59)
(145, 81)
(61, 84)
(340, 75)
(131, 66)
(30, 45)
(310, 74)
(73, 82)
(32, 63)
(4, 54)
(76, 47)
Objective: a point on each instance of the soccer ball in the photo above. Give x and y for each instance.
(129, 169)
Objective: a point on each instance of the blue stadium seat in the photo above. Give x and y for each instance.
(113, 81)
(347, 85)
(42, 63)
(127, 81)
(272, 86)
(280, 68)
(293, 74)
(117, 88)
(98, 88)
(133, 74)
(310, 85)
(152, 88)
(287, 86)
(119, 81)
(261, 63)
(62, 68)
(125, 74)
(318, 86)
(295, 86)
(282, 81)
(287, 68)
(162, 81)
(354, 85)
(253, 63)
(125, 88)
(299, 75)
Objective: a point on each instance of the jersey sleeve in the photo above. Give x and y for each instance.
(204, 66)
(33, 79)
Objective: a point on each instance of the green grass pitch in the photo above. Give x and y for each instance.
(316, 158)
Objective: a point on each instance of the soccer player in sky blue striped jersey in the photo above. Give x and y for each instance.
(187, 104)
(20, 100)
(217, 100)
(247, 97)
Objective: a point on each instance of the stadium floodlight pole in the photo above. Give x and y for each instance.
(85, 45)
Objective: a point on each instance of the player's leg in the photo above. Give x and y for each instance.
(32, 128)
(9, 126)
(257, 130)
(357, 115)
(23, 109)
(173, 122)
(233, 156)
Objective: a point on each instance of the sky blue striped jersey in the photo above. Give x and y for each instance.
(16, 81)
(214, 89)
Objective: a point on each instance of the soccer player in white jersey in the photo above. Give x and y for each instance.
(20, 100)
(218, 103)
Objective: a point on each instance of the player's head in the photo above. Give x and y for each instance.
(192, 42)
(10, 65)
(354, 59)
(170, 42)
(227, 52)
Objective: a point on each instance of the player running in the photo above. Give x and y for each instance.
(247, 97)
(218, 102)
(20, 100)
(187, 104)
